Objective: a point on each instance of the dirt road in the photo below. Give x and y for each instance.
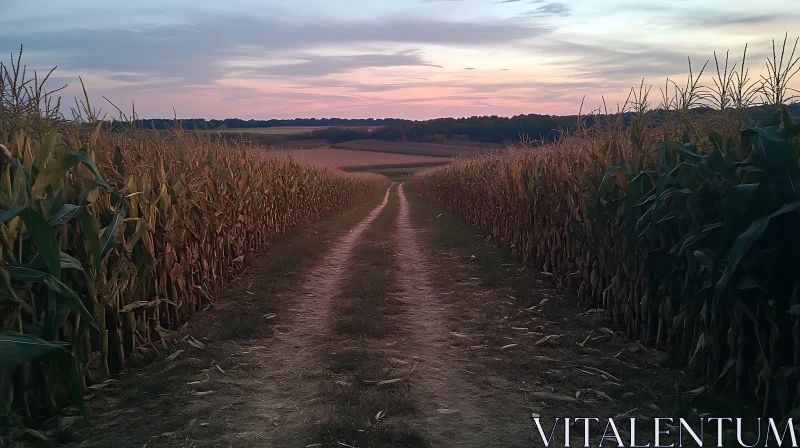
(388, 326)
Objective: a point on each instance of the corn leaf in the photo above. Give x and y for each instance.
(26, 274)
(742, 245)
(89, 163)
(55, 171)
(64, 294)
(118, 162)
(91, 233)
(109, 236)
(17, 349)
(67, 262)
(41, 234)
(65, 214)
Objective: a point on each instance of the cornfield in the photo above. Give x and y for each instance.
(109, 237)
(683, 232)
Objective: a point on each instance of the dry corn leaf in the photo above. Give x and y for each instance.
(174, 355)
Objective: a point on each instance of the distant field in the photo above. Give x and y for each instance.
(345, 158)
(474, 144)
(395, 173)
(413, 148)
(288, 130)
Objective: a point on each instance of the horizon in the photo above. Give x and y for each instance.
(791, 107)
(415, 59)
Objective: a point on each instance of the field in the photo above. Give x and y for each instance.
(341, 158)
(414, 148)
(482, 145)
(394, 173)
(287, 130)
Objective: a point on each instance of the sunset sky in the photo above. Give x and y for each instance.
(413, 59)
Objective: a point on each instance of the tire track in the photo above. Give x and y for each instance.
(453, 411)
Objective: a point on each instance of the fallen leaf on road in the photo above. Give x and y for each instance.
(174, 355)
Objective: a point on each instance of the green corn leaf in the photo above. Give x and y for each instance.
(646, 198)
(65, 363)
(53, 173)
(54, 318)
(17, 348)
(687, 174)
(70, 262)
(717, 140)
(8, 215)
(671, 215)
(578, 233)
(742, 246)
(64, 294)
(44, 239)
(42, 235)
(57, 201)
(26, 274)
(89, 163)
(67, 262)
(632, 195)
(109, 237)
(65, 214)
(691, 238)
(686, 150)
(118, 162)
(736, 208)
(773, 148)
(604, 184)
(91, 232)
(56, 170)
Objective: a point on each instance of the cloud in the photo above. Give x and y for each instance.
(552, 8)
(314, 65)
(470, 68)
(622, 64)
(699, 16)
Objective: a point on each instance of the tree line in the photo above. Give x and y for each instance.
(494, 129)
(238, 123)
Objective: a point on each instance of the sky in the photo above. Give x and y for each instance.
(415, 59)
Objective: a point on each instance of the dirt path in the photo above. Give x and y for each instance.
(395, 326)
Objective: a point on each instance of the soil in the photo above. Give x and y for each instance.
(387, 326)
